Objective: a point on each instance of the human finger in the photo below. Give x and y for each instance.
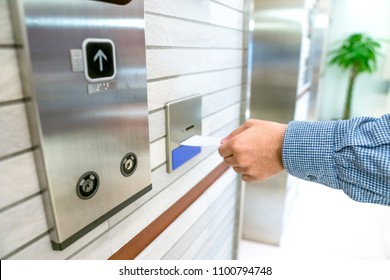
(230, 161)
(237, 169)
(225, 150)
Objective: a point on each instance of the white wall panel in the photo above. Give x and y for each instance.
(183, 33)
(203, 11)
(236, 4)
(209, 217)
(220, 119)
(14, 132)
(203, 241)
(6, 37)
(157, 153)
(169, 62)
(10, 86)
(41, 249)
(165, 241)
(156, 125)
(18, 179)
(224, 252)
(213, 103)
(98, 250)
(219, 237)
(160, 92)
(21, 224)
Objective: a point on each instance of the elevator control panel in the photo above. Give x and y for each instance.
(84, 66)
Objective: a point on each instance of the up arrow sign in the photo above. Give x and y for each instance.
(99, 59)
(100, 55)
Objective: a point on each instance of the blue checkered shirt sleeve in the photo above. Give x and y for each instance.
(351, 155)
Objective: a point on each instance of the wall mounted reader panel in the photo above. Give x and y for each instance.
(183, 120)
(85, 68)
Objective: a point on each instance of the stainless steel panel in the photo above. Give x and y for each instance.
(276, 46)
(320, 25)
(87, 126)
(276, 51)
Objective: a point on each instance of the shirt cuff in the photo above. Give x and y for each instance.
(308, 151)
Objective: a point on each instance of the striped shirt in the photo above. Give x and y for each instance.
(351, 155)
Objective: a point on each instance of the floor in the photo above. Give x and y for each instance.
(323, 223)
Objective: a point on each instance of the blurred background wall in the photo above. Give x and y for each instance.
(371, 91)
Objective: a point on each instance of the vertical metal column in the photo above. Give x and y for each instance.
(276, 49)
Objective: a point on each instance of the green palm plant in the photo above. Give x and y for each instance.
(357, 54)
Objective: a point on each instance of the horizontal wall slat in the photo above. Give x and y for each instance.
(156, 125)
(217, 239)
(220, 119)
(202, 242)
(157, 153)
(215, 223)
(215, 102)
(169, 62)
(14, 132)
(41, 249)
(6, 37)
(211, 214)
(160, 92)
(21, 224)
(204, 11)
(98, 250)
(166, 240)
(227, 129)
(10, 84)
(225, 251)
(236, 4)
(18, 179)
(183, 33)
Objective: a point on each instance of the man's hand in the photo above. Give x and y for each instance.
(254, 150)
